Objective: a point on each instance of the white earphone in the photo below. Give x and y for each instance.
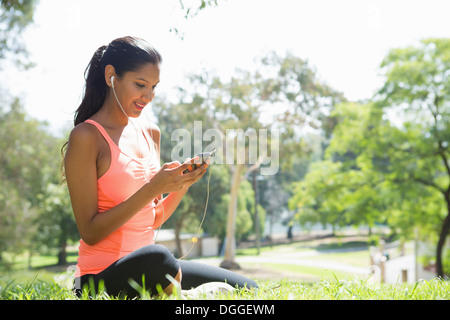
(117, 99)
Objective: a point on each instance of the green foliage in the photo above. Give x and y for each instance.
(190, 11)
(362, 182)
(29, 163)
(15, 16)
(56, 224)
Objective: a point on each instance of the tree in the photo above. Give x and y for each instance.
(15, 16)
(191, 11)
(187, 123)
(233, 113)
(55, 224)
(286, 84)
(30, 159)
(417, 86)
(397, 147)
(357, 182)
(290, 85)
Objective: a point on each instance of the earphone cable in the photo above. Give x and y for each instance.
(195, 239)
(126, 115)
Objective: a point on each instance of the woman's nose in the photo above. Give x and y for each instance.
(149, 96)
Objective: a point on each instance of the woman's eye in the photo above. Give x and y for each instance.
(140, 85)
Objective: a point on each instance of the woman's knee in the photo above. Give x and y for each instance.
(154, 263)
(154, 260)
(154, 257)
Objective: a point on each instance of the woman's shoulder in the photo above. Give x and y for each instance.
(84, 130)
(83, 145)
(84, 134)
(152, 127)
(153, 130)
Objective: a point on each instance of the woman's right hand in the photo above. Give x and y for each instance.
(170, 177)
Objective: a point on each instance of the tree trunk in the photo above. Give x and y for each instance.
(257, 231)
(230, 246)
(62, 255)
(178, 227)
(442, 236)
(30, 254)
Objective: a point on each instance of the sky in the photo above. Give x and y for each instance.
(344, 40)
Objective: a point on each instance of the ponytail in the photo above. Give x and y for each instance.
(95, 88)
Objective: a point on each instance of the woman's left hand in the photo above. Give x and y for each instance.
(194, 174)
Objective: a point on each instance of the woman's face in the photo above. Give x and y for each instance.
(135, 89)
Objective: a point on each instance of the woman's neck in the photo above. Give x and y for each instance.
(111, 113)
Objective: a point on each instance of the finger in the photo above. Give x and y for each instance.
(192, 174)
(172, 165)
(192, 160)
(175, 167)
(185, 166)
(199, 172)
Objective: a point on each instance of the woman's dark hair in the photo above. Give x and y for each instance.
(124, 54)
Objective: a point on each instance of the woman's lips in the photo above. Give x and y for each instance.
(139, 105)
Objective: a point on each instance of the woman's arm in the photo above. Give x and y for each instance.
(81, 175)
(167, 207)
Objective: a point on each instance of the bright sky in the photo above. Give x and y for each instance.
(344, 40)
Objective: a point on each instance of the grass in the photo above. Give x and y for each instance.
(337, 289)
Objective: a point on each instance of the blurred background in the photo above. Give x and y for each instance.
(359, 91)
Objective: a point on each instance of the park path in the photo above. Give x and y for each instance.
(301, 259)
(254, 265)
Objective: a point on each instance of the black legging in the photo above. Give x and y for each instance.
(153, 263)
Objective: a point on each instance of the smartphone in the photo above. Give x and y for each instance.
(203, 157)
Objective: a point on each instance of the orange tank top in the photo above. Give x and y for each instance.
(125, 175)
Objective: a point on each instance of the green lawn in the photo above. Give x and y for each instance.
(45, 289)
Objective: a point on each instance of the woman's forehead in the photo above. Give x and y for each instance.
(148, 72)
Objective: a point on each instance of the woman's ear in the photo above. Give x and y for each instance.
(109, 73)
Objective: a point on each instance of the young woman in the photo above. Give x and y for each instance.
(113, 172)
